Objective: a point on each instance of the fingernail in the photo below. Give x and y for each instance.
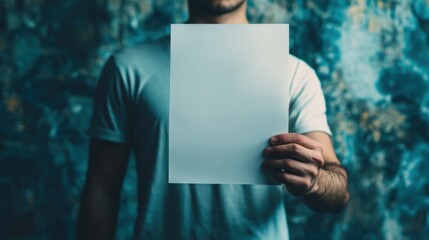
(274, 140)
(268, 149)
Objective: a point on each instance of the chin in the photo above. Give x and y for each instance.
(216, 6)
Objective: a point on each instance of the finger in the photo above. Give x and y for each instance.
(295, 151)
(296, 185)
(300, 139)
(291, 150)
(282, 165)
(291, 166)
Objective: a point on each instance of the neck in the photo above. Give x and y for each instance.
(236, 17)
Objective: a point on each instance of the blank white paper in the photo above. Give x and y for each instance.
(229, 93)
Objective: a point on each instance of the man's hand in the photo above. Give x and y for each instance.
(296, 161)
(309, 168)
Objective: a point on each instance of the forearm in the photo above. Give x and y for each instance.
(330, 192)
(98, 213)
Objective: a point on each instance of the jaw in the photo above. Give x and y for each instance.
(216, 7)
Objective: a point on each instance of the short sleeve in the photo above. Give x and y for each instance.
(307, 109)
(110, 113)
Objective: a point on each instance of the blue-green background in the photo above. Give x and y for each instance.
(372, 57)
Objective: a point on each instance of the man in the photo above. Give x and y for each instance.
(131, 114)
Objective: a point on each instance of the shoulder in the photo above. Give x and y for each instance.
(299, 68)
(304, 79)
(144, 54)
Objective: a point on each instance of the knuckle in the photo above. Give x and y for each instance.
(295, 147)
(321, 162)
(313, 172)
(307, 183)
(287, 163)
(298, 138)
(318, 158)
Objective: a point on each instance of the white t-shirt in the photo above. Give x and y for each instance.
(131, 105)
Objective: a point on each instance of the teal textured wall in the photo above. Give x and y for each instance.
(372, 57)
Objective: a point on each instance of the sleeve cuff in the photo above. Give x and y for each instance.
(318, 124)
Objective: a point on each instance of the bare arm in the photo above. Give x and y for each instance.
(101, 194)
(309, 168)
(329, 193)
